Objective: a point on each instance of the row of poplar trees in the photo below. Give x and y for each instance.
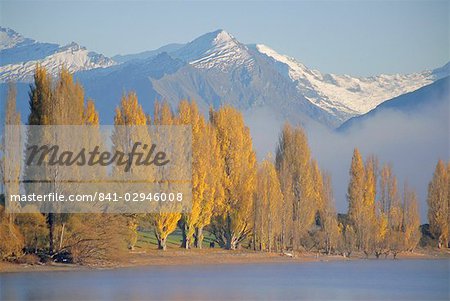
(283, 203)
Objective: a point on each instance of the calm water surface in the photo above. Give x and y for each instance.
(352, 280)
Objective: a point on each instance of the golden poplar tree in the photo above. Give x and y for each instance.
(293, 162)
(395, 219)
(369, 217)
(164, 222)
(214, 192)
(233, 220)
(438, 204)
(9, 150)
(380, 233)
(355, 196)
(11, 239)
(58, 104)
(318, 191)
(205, 166)
(267, 207)
(130, 127)
(330, 225)
(411, 219)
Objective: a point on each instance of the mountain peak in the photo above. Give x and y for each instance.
(217, 49)
(9, 38)
(73, 46)
(222, 36)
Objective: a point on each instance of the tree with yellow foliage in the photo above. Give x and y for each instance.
(380, 234)
(10, 145)
(11, 240)
(438, 204)
(214, 192)
(411, 219)
(293, 163)
(355, 196)
(164, 222)
(329, 222)
(395, 219)
(267, 207)
(130, 127)
(232, 223)
(318, 192)
(205, 166)
(58, 104)
(369, 222)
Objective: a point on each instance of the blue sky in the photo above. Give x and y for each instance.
(358, 38)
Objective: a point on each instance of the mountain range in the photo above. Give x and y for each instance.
(213, 69)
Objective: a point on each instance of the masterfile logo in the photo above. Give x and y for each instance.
(117, 169)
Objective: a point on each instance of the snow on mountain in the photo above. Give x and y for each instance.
(348, 96)
(422, 102)
(14, 48)
(215, 69)
(215, 50)
(9, 39)
(20, 55)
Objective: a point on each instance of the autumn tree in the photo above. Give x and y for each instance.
(164, 222)
(293, 162)
(214, 191)
(267, 207)
(32, 225)
(329, 222)
(395, 219)
(318, 192)
(11, 238)
(58, 102)
(232, 223)
(12, 144)
(205, 167)
(355, 197)
(130, 123)
(347, 241)
(411, 219)
(369, 223)
(438, 204)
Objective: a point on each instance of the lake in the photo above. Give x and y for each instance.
(338, 280)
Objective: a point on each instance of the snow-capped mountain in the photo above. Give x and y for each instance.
(348, 96)
(9, 39)
(429, 101)
(19, 56)
(213, 69)
(342, 96)
(215, 50)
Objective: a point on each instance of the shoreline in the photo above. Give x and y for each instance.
(205, 257)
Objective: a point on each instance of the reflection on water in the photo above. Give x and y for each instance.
(352, 280)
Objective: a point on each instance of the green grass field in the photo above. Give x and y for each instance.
(147, 240)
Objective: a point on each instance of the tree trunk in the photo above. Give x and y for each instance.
(62, 236)
(162, 244)
(198, 241)
(185, 238)
(35, 243)
(51, 228)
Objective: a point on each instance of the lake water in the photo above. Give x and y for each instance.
(346, 280)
